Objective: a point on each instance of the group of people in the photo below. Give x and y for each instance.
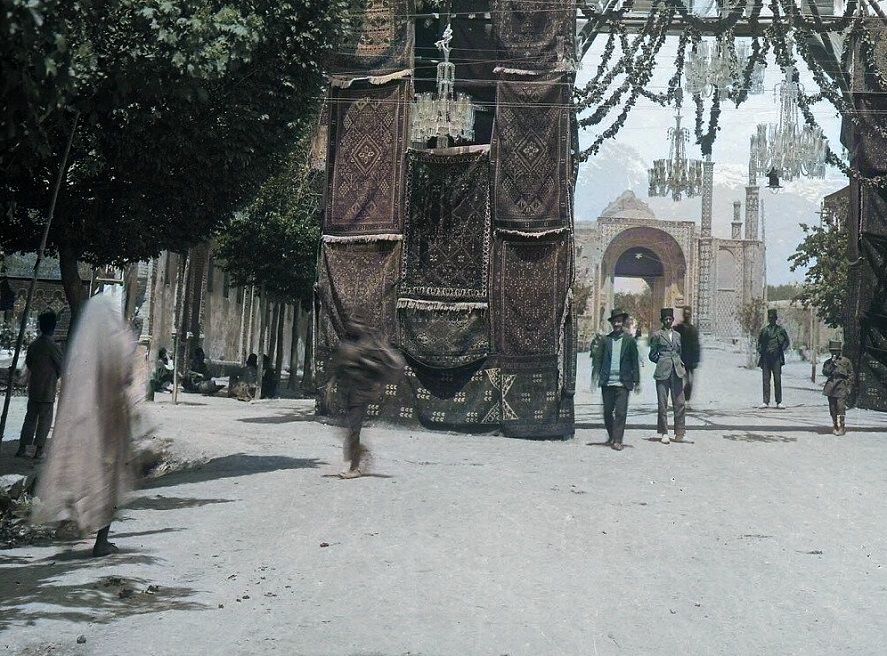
(676, 352)
(197, 379)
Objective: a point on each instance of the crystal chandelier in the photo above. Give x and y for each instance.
(712, 66)
(786, 148)
(676, 175)
(446, 115)
(756, 79)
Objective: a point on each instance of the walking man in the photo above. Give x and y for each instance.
(665, 351)
(361, 365)
(619, 374)
(839, 372)
(44, 362)
(690, 350)
(772, 344)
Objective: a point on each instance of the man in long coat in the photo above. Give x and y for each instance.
(690, 350)
(772, 344)
(618, 373)
(665, 351)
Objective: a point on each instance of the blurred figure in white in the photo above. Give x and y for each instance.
(89, 460)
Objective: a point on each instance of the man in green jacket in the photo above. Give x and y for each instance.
(839, 373)
(618, 374)
(772, 344)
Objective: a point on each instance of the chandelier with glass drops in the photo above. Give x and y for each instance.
(676, 176)
(712, 66)
(446, 115)
(786, 148)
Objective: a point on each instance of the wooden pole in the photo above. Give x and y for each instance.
(63, 168)
(178, 318)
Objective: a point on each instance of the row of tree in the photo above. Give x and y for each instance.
(186, 120)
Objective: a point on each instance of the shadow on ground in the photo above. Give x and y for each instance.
(160, 502)
(281, 419)
(238, 464)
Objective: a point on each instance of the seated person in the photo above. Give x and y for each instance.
(244, 388)
(162, 375)
(269, 379)
(198, 372)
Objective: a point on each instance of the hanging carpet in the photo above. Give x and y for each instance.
(378, 40)
(531, 154)
(444, 338)
(534, 35)
(367, 145)
(533, 404)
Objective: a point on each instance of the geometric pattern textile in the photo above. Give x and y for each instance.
(531, 153)
(357, 278)
(367, 143)
(530, 278)
(380, 40)
(447, 227)
(534, 34)
(444, 338)
(531, 398)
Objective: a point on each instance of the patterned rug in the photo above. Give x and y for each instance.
(533, 405)
(444, 338)
(534, 34)
(447, 227)
(530, 282)
(368, 139)
(531, 153)
(379, 39)
(356, 277)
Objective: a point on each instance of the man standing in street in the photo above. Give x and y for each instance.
(44, 363)
(619, 374)
(690, 350)
(772, 344)
(665, 351)
(839, 372)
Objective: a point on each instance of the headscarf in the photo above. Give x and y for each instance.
(88, 468)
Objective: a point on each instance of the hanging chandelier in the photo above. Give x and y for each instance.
(756, 79)
(445, 115)
(713, 65)
(787, 148)
(676, 176)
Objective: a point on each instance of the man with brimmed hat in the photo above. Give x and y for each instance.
(665, 351)
(619, 373)
(839, 373)
(772, 344)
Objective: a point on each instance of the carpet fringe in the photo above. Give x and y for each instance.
(419, 304)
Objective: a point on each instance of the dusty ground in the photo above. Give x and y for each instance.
(763, 535)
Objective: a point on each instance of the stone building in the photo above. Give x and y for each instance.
(682, 263)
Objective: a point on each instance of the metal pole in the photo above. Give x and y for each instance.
(24, 322)
(812, 344)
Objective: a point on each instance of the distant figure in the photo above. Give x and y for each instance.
(198, 371)
(269, 379)
(245, 388)
(619, 373)
(44, 363)
(594, 353)
(772, 344)
(690, 350)
(88, 468)
(839, 373)
(163, 370)
(665, 351)
(362, 363)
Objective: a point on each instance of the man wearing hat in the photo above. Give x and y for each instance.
(839, 373)
(619, 373)
(772, 344)
(665, 351)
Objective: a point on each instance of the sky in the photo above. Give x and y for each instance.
(623, 161)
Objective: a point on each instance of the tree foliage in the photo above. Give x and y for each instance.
(186, 106)
(637, 305)
(824, 253)
(751, 317)
(782, 292)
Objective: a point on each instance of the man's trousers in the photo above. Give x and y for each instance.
(673, 385)
(38, 421)
(615, 411)
(772, 367)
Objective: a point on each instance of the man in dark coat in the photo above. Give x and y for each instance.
(44, 362)
(362, 364)
(665, 351)
(690, 350)
(618, 374)
(838, 371)
(772, 344)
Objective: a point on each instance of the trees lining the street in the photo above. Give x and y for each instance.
(186, 109)
(824, 253)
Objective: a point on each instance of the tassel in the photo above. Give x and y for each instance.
(364, 239)
(419, 304)
(341, 82)
(534, 235)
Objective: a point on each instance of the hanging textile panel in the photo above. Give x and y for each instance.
(447, 226)
(533, 403)
(367, 146)
(530, 283)
(354, 278)
(379, 39)
(531, 154)
(444, 337)
(534, 35)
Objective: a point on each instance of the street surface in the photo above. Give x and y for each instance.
(762, 535)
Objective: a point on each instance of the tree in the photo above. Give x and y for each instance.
(824, 253)
(637, 305)
(187, 108)
(782, 292)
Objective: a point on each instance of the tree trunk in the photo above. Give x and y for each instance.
(263, 323)
(278, 348)
(294, 348)
(308, 366)
(71, 282)
(272, 336)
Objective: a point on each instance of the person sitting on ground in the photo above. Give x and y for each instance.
(269, 379)
(198, 372)
(245, 388)
(44, 363)
(163, 369)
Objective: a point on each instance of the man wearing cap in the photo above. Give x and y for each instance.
(619, 373)
(839, 373)
(665, 351)
(772, 344)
